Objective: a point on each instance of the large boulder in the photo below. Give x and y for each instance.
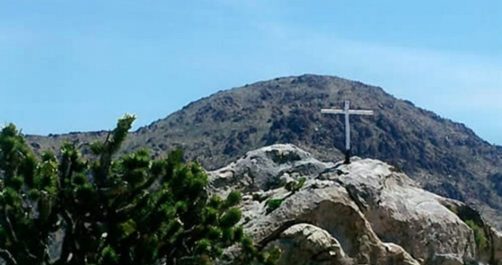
(327, 206)
(496, 238)
(401, 212)
(308, 244)
(367, 212)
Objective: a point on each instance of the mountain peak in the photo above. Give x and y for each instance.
(443, 156)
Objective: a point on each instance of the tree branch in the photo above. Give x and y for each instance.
(11, 227)
(68, 241)
(7, 256)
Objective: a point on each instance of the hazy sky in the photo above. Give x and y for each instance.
(79, 65)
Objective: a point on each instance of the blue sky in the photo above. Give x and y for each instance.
(78, 65)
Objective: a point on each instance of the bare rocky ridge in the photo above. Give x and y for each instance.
(367, 212)
(442, 156)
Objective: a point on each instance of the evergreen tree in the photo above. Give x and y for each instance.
(108, 210)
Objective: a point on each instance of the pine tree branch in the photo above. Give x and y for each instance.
(65, 173)
(7, 256)
(68, 241)
(136, 192)
(10, 226)
(104, 162)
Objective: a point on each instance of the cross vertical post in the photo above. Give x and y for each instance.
(347, 112)
(347, 132)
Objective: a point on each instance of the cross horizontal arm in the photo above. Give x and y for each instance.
(360, 112)
(352, 111)
(333, 111)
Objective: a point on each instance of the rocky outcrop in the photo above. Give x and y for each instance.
(496, 238)
(367, 212)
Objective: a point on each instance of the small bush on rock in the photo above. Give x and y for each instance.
(273, 204)
(479, 234)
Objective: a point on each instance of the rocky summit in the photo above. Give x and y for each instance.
(366, 212)
(442, 156)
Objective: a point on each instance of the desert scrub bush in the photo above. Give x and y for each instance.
(295, 186)
(273, 204)
(479, 234)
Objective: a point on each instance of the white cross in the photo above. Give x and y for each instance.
(347, 112)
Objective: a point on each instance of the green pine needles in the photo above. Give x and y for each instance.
(108, 210)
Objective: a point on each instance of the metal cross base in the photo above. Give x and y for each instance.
(347, 157)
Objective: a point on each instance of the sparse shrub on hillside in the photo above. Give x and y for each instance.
(295, 186)
(273, 204)
(479, 234)
(108, 210)
(292, 186)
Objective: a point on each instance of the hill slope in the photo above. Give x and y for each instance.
(443, 156)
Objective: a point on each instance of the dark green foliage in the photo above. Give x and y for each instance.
(479, 234)
(474, 220)
(292, 187)
(252, 255)
(273, 204)
(127, 210)
(295, 186)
